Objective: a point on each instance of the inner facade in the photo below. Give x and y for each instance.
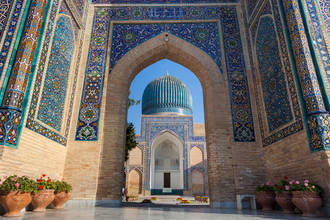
(171, 154)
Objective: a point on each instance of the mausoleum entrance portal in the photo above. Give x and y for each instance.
(167, 165)
(218, 122)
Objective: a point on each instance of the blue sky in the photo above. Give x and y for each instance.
(159, 69)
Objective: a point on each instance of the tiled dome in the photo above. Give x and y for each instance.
(166, 95)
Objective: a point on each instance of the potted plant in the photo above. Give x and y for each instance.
(306, 197)
(266, 196)
(62, 193)
(15, 194)
(284, 196)
(44, 195)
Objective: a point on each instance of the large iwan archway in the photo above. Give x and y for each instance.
(218, 121)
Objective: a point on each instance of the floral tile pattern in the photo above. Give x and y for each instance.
(204, 35)
(53, 97)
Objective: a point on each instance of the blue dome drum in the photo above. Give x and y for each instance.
(167, 95)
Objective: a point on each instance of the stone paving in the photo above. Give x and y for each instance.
(159, 212)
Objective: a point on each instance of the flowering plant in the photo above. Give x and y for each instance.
(268, 187)
(62, 186)
(305, 186)
(43, 183)
(284, 186)
(17, 183)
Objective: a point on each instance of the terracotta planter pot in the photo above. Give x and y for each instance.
(14, 202)
(42, 199)
(60, 199)
(307, 202)
(284, 199)
(266, 200)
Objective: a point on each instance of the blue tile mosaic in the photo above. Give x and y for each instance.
(296, 124)
(324, 6)
(5, 6)
(12, 26)
(274, 86)
(64, 9)
(53, 97)
(80, 6)
(204, 35)
(32, 123)
(318, 36)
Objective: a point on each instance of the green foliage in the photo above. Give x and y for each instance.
(283, 186)
(268, 187)
(305, 186)
(130, 139)
(132, 102)
(16, 183)
(43, 183)
(62, 186)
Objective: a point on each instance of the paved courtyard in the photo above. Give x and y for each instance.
(153, 213)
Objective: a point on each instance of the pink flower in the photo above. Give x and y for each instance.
(262, 185)
(329, 186)
(287, 187)
(17, 185)
(15, 179)
(269, 183)
(291, 182)
(313, 187)
(306, 181)
(306, 184)
(297, 182)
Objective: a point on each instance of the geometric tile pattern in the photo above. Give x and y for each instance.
(242, 119)
(64, 9)
(204, 35)
(275, 93)
(80, 5)
(325, 12)
(320, 131)
(54, 92)
(5, 6)
(305, 65)
(317, 115)
(11, 109)
(36, 125)
(285, 65)
(251, 5)
(12, 26)
(318, 37)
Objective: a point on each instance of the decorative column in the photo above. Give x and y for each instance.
(12, 103)
(318, 117)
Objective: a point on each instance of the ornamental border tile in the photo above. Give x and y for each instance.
(31, 123)
(87, 128)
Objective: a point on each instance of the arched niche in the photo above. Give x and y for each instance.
(134, 183)
(196, 156)
(166, 157)
(197, 182)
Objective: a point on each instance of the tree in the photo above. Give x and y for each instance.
(130, 131)
(130, 139)
(131, 101)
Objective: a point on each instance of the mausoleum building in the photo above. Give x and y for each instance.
(171, 154)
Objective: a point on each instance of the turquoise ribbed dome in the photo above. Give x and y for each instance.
(166, 95)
